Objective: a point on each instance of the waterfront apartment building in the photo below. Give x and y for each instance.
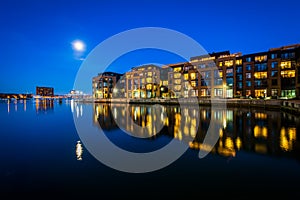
(44, 91)
(143, 82)
(182, 80)
(274, 73)
(104, 85)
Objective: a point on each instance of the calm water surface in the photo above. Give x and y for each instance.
(258, 151)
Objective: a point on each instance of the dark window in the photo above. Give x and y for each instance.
(260, 83)
(274, 82)
(274, 65)
(229, 72)
(248, 67)
(239, 85)
(261, 67)
(229, 81)
(239, 77)
(218, 81)
(248, 83)
(274, 73)
(288, 55)
(248, 59)
(273, 55)
(239, 69)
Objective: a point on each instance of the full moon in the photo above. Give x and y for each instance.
(78, 45)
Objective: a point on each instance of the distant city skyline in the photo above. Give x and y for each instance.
(37, 36)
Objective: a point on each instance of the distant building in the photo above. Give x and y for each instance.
(104, 85)
(45, 91)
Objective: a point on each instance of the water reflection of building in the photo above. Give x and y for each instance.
(44, 105)
(77, 108)
(16, 103)
(103, 117)
(260, 131)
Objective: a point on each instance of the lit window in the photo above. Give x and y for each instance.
(260, 58)
(177, 75)
(149, 73)
(186, 76)
(177, 87)
(238, 62)
(260, 75)
(220, 64)
(285, 65)
(274, 92)
(193, 83)
(177, 69)
(221, 74)
(248, 92)
(177, 81)
(288, 73)
(229, 63)
(193, 76)
(149, 87)
(203, 92)
(149, 80)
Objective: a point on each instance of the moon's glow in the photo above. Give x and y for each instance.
(78, 45)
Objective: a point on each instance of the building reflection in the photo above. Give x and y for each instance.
(76, 108)
(260, 131)
(16, 104)
(44, 105)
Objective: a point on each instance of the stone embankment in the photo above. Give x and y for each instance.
(292, 106)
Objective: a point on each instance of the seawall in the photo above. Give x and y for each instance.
(292, 106)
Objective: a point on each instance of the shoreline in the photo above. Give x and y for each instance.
(291, 106)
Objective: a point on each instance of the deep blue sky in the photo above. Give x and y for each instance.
(36, 35)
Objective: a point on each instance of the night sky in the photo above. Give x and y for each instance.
(36, 36)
